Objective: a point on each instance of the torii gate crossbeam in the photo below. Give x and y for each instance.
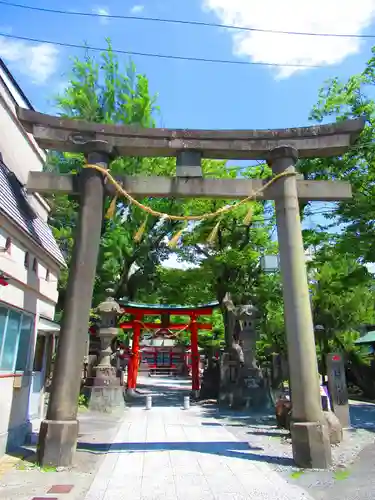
(281, 148)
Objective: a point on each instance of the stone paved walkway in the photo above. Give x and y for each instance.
(168, 453)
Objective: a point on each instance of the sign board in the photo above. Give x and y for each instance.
(338, 389)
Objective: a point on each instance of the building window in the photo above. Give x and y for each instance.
(47, 275)
(24, 343)
(35, 265)
(8, 245)
(16, 334)
(27, 260)
(39, 353)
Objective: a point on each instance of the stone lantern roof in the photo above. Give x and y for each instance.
(109, 305)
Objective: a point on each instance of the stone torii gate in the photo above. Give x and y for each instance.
(281, 149)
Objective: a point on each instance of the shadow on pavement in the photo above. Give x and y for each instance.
(232, 449)
(164, 394)
(239, 418)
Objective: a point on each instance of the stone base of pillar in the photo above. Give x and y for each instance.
(57, 442)
(133, 394)
(311, 445)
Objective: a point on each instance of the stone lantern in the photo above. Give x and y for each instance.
(242, 381)
(108, 311)
(106, 392)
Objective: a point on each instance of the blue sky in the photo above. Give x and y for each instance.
(195, 94)
(192, 94)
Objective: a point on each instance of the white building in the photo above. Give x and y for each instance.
(31, 261)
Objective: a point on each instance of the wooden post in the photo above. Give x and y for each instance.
(194, 356)
(59, 431)
(134, 357)
(310, 439)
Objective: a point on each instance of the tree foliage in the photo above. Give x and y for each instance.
(230, 263)
(99, 91)
(342, 290)
(340, 100)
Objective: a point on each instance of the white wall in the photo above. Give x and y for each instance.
(33, 292)
(28, 290)
(20, 152)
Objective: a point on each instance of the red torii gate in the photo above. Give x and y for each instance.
(138, 311)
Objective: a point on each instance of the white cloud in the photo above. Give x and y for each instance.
(103, 12)
(38, 61)
(136, 9)
(319, 16)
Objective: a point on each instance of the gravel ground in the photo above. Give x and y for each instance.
(350, 476)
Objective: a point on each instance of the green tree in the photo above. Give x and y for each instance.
(176, 286)
(340, 100)
(343, 299)
(229, 262)
(271, 325)
(99, 91)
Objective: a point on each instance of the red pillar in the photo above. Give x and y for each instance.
(194, 354)
(134, 355)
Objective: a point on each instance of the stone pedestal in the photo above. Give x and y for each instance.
(106, 399)
(57, 442)
(104, 390)
(242, 382)
(256, 391)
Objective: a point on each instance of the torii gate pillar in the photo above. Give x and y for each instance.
(59, 431)
(310, 438)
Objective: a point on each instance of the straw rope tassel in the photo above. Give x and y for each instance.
(249, 215)
(173, 241)
(155, 213)
(213, 234)
(139, 234)
(112, 208)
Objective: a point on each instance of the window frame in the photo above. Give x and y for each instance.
(8, 245)
(28, 367)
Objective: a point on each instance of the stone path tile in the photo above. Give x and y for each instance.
(169, 453)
